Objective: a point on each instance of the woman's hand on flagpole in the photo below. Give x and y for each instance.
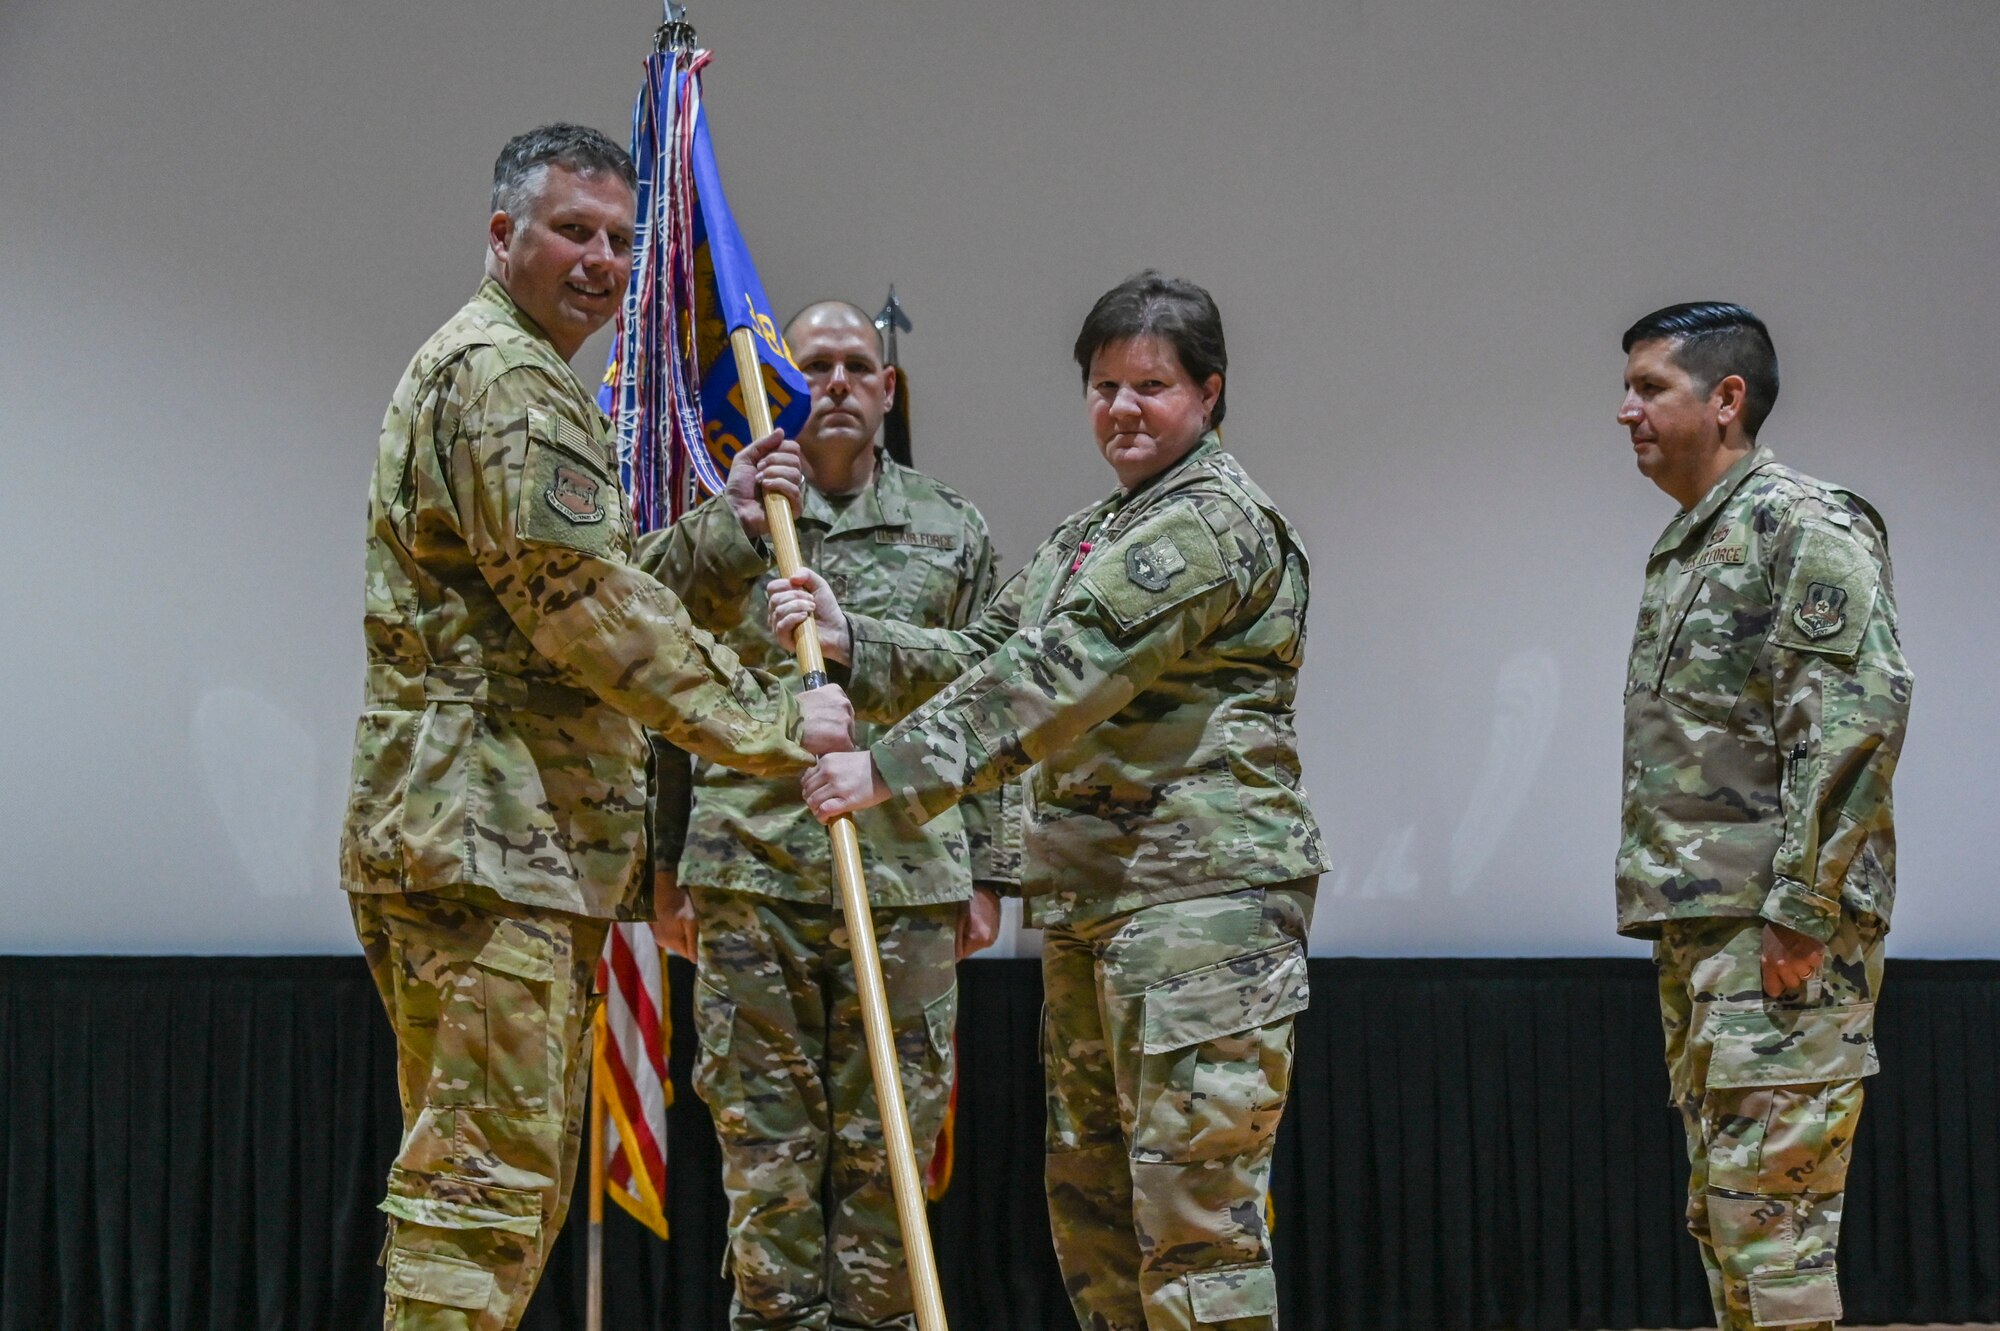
(843, 783)
(805, 594)
(772, 465)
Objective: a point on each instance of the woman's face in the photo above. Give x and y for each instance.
(1145, 409)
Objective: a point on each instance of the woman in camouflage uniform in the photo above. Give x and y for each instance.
(1145, 666)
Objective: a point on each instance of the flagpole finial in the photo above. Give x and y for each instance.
(891, 318)
(675, 33)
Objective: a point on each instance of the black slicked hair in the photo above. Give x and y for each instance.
(1151, 304)
(1712, 340)
(517, 171)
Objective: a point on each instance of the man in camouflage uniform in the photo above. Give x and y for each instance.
(496, 819)
(813, 1235)
(1144, 665)
(1765, 706)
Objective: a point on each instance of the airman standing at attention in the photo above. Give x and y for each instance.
(1765, 706)
(813, 1236)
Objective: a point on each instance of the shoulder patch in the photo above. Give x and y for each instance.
(1153, 564)
(567, 497)
(1830, 596)
(1165, 561)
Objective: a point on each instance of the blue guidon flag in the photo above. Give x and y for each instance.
(671, 388)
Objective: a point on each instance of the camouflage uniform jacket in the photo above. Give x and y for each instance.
(514, 652)
(1145, 663)
(1765, 705)
(906, 548)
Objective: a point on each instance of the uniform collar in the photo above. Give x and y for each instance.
(502, 307)
(1210, 442)
(1689, 520)
(885, 502)
(496, 305)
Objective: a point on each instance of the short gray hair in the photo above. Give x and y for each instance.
(517, 172)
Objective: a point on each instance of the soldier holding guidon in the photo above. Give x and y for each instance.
(496, 821)
(1144, 666)
(813, 1237)
(1765, 706)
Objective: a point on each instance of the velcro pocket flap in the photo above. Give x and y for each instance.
(567, 495)
(1759, 1044)
(443, 1201)
(1165, 561)
(430, 1278)
(1237, 995)
(1831, 595)
(1789, 1298)
(1236, 1291)
(515, 950)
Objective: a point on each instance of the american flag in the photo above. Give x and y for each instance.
(634, 1029)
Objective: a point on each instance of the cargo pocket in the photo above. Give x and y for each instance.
(456, 1243)
(1216, 1056)
(716, 1078)
(1769, 1044)
(1233, 1292)
(930, 1092)
(495, 1024)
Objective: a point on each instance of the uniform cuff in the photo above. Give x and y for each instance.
(901, 765)
(1798, 907)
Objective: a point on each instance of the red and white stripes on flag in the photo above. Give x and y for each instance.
(634, 1029)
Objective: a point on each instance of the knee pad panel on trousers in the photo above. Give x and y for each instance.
(1216, 1056)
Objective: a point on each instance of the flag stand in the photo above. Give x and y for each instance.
(905, 1183)
(593, 1307)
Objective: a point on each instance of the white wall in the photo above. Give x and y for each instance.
(227, 225)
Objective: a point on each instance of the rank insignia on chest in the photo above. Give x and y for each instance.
(1649, 619)
(1719, 535)
(1820, 615)
(575, 494)
(1154, 564)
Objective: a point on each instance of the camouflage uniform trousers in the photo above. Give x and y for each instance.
(1770, 1092)
(491, 1005)
(1168, 1055)
(813, 1236)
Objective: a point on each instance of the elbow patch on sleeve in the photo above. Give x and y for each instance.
(1162, 563)
(1830, 597)
(568, 497)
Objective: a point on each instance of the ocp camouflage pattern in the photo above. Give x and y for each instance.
(1168, 1048)
(1145, 664)
(1766, 700)
(491, 1007)
(783, 1067)
(1770, 1093)
(907, 547)
(514, 652)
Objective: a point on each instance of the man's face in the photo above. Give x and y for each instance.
(1675, 427)
(1145, 410)
(851, 389)
(565, 262)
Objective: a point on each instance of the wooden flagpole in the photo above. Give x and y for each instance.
(905, 1182)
